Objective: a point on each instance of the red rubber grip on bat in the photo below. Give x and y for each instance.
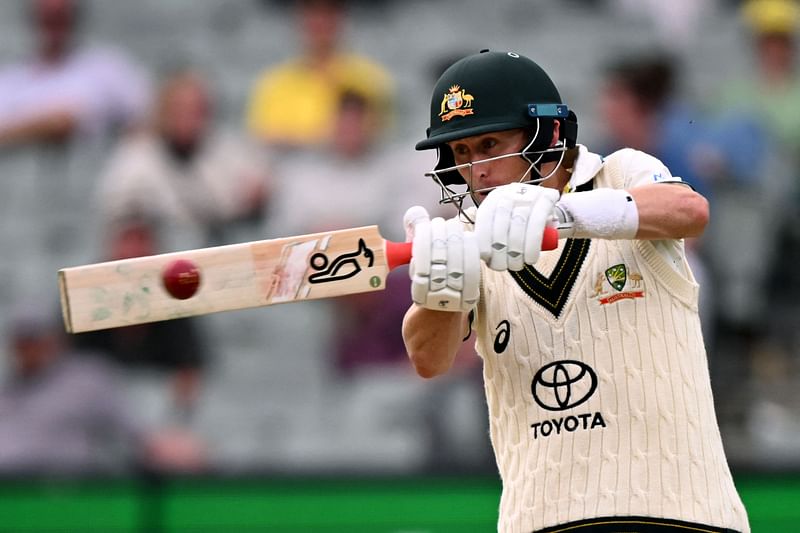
(549, 238)
(399, 253)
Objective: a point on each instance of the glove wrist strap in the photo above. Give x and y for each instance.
(601, 213)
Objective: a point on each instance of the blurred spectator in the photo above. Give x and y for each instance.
(640, 108)
(754, 240)
(172, 346)
(184, 171)
(64, 412)
(769, 95)
(358, 179)
(66, 88)
(294, 104)
(770, 90)
(358, 176)
(675, 24)
(59, 411)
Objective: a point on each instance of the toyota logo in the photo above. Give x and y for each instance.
(562, 385)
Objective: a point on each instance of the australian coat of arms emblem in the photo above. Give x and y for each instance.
(456, 103)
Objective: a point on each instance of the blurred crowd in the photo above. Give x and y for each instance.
(106, 154)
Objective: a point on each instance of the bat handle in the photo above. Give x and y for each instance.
(399, 253)
(550, 238)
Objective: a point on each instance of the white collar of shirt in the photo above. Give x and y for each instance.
(586, 167)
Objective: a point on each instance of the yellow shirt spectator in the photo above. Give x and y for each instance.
(296, 102)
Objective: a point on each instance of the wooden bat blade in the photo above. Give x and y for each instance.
(236, 276)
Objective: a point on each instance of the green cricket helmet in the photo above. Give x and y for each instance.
(496, 91)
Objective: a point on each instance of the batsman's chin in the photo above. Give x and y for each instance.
(480, 194)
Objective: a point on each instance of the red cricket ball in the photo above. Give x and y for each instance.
(181, 278)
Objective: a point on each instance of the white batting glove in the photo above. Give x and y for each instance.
(510, 224)
(445, 266)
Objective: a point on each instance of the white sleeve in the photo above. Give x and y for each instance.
(127, 183)
(642, 169)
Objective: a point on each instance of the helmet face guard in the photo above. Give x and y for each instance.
(451, 176)
(489, 92)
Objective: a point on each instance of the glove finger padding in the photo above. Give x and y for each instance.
(472, 272)
(510, 224)
(413, 215)
(455, 255)
(445, 264)
(439, 237)
(541, 212)
(484, 227)
(416, 222)
(516, 237)
(501, 222)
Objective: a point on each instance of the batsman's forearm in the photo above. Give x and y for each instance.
(670, 211)
(55, 126)
(433, 338)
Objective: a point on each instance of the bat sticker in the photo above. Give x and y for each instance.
(342, 267)
(287, 278)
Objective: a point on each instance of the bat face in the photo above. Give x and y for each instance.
(236, 276)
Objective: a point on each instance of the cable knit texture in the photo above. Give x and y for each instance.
(644, 440)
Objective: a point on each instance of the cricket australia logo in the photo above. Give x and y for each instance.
(617, 277)
(456, 103)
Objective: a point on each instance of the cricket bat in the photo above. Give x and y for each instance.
(235, 276)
